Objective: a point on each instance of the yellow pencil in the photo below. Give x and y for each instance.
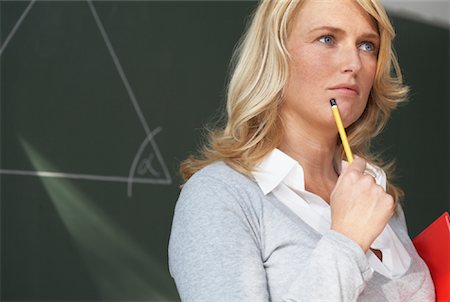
(340, 126)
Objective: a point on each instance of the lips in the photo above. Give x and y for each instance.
(346, 89)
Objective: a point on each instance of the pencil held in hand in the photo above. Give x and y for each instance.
(342, 134)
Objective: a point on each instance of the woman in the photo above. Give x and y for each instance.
(270, 211)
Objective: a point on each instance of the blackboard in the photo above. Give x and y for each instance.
(99, 103)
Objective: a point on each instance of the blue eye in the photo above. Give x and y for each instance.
(328, 39)
(368, 46)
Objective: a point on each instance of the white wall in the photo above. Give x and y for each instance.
(435, 12)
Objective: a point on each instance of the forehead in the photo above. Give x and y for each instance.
(345, 14)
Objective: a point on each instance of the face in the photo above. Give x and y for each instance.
(333, 46)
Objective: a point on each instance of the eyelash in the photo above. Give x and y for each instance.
(373, 50)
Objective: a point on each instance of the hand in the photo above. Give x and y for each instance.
(360, 209)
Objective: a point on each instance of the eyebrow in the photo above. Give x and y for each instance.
(339, 30)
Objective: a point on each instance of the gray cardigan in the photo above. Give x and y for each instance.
(230, 242)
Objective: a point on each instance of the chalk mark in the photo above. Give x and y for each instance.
(16, 26)
(150, 135)
(146, 166)
(129, 90)
(135, 162)
(83, 176)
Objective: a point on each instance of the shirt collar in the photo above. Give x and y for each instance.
(271, 171)
(275, 169)
(278, 167)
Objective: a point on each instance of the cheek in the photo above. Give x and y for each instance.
(309, 69)
(312, 66)
(367, 84)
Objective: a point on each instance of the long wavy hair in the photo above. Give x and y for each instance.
(260, 70)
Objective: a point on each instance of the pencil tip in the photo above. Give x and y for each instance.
(333, 102)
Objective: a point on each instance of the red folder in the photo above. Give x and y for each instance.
(433, 245)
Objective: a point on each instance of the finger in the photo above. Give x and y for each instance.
(358, 164)
(344, 166)
(368, 179)
(370, 173)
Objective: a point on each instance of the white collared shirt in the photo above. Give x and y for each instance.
(283, 176)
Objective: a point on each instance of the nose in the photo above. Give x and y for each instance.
(350, 60)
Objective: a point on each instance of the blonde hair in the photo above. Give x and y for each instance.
(260, 72)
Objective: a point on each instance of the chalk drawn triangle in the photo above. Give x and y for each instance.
(148, 153)
(148, 165)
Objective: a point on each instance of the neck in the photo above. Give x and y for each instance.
(316, 157)
(315, 150)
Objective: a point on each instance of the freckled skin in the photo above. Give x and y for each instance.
(321, 63)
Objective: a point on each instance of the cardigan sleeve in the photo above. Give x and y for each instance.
(337, 270)
(215, 253)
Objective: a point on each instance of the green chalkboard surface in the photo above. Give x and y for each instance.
(99, 102)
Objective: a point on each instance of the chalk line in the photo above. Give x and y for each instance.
(16, 26)
(129, 89)
(83, 176)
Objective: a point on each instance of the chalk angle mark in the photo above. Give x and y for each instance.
(142, 165)
(139, 166)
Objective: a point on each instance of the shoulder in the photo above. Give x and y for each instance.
(215, 229)
(215, 200)
(220, 171)
(218, 187)
(219, 176)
